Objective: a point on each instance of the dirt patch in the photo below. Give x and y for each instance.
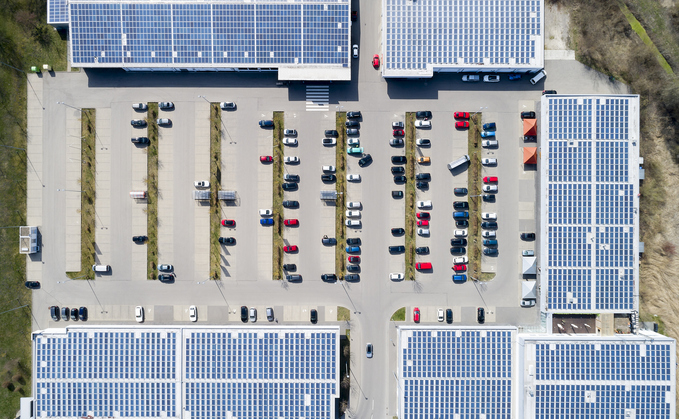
(557, 27)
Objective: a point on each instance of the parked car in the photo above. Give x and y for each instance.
(488, 225)
(487, 134)
(353, 142)
(396, 276)
(423, 266)
(352, 123)
(229, 240)
(352, 249)
(353, 268)
(354, 114)
(527, 303)
(266, 159)
(366, 160)
(397, 170)
(376, 61)
(489, 251)
(354, 241)
(355, 150)
(139, 239)
(489, 162)
(480, 315)
(331, 133)
(400, 179)
(489, 143)
(201, 184)
(422, 223)
(138, 123)
(423, 142)
(470, 78)
(291, 204)
(244, 314)
(490, 126)
(328, 241)
(549, 92)
(166, 278)
(449, 316)
(460, 205)
(290, 248)
(164, 121)
(289, 186)
(421, 123)
(423, 232)
(493, 78)
(490, 179)
(352, 277)
(460, 260)
(397, 249)
(32, 285)
(227, 105)
(488, 234)
(354, 50)
(397, 231)
(460, 233)
(328, 277)
(289, 267)
(193, 313)
(65, 313)
(528, 253)
(139, 314)
(397, 194)
(165, 268)
(461, 115)
(313, 316)
(165, 105)
(458, 250)
(140, 140)
(416, 315)
(514, 76)
(423, 115)
(527, 236)
(329, 141)
(528, 115)
(266, 221)
(460, 268)
(439, 314)
(422, 185)
(460, 191)
(458, 242)
(462, 124)
(353, 213)
(330, 169)
(291, 160)
(253, 315)
(423, 176)
(54, 312)
(228, 223)
(424, 205)
(291, 222)
(489, 188)
(290, 132)
(289, 141)
(266, 123)
(461, 223)
(423, 215)
(289, 177)
(423, 160)
(422, 250)
(488, 198)
(140, 106)
(328, 177)
(353, 178)
(369, 350)
(396, 142)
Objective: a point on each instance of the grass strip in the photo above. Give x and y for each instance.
(474, 187)
(88, 132)
(399, 315)
(341, 184)
(152, 192)
(410, 196)
(343, 314)
(278, 155)
(639, 29)
(215, 186)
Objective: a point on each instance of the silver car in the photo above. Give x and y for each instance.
(253, 314)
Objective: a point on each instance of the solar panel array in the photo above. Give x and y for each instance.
(446, 372)
(57, 12)
(420, 35)
(215, 372)
(589, 233)
(214, 33)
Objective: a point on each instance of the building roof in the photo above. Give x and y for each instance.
(229, 371)
(421, 37)
(589, 203)
(308, 35)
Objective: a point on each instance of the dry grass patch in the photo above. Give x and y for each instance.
(341, 174)
(410, 196)
(399, 315)
(215, 187)
(277, 209)
(343, 314)
(152, 193)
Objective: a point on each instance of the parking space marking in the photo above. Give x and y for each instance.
(102, 205)
(139, 218)
(201, 212)
(70, 195)
(317, 98)
(166, 201)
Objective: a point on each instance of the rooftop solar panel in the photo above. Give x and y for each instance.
(57, 12)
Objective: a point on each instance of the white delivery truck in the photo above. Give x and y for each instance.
(459, 162)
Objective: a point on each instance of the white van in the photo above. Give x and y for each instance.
(353, 223)
(541, 75)
(101, 268)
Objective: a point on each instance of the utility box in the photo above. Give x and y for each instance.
(201, 195)
(328, 195)
(46, 67)
(226, 195)
(28, 240)
(35, 69)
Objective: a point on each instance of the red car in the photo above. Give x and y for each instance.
(376, 61)
(229, 223)
(460, 268)
(462, 124)
(291, 222)
(354, 259)
(290, 249)
(422, 223)
(416, 315)
(490, 179)
(265, 159)
(424, 215)
(399, 133)
(461, 115)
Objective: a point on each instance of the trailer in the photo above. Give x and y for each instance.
(28, 240)
(459, 162)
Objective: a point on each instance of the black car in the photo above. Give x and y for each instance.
(397, 249)
(460, 191)
(449, 316)
(314, 316)
(353, 268)
(528, 115)
(490, 126)
(138, 123)
(329, 241)
(291, 204)
(293, 278)
(353, 124)
(423, 115)
(549, 92)
(527, 236)
(54, 312)
(266, 123)
(166, 278)
(331, 133)
(460, 205)
(65, 313)
(422, 185)
(461, 223)
(328, 178)
(74, 314)
(398, 159)
(489, 225)
(400, 179)
(458, 242)
(32, 285)
(139, 239)
(354, 241)
(397, 194)
(532, 138)
(366, 160)
(329, 277)
(398, 231)
(140, 140)
(424, 250)
(489, 251)
(488, 198)
(423, 176)
(397, 170)
(481, 315)
(289, 186)
(458, 250)
(352, 277)
(244, 314)
(82, 312)
(289, 267)
(227, 240)
(354, 114)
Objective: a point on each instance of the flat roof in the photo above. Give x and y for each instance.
(422, 37)
(221, 371)
(589, 200)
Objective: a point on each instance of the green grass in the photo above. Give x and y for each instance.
(410, 196)
(215, 187)
(341, 174)
(639, 29)
(474, 187)
(343, 314)
(647, 317)
(399, 315)
(152, 193)
(278, 155)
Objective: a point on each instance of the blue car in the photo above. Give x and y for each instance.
(514, 76)
(490, 126)
(460, 278)
(266, 221)
(353, 249)
(486, 134)
(266, 123)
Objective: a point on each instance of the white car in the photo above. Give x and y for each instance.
(353, 223)
(397, 125)
(290, 141)
(290, 132)
(439, 314)
(423, 204)
(354, 204)
(354, 178)
(330, 169)
(471, 78)
(354, 49)
(420, 123)
(265, 212)
(353, 142)
(422, 231)
(491, 79)
(291, 159)
(488, 234)
(489, 188)
(489, 216)
(528, 253)
(201, 184)
(489, 162)
(461, 260)
(489, 143)
(460, 233)
(163, 121)
(227, 105)
(353, 213)
(423, 141)
(253, 314)
(139, 314)
(396, 276)
(193, 313)
(527, 303)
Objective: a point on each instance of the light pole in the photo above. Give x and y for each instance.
(68, 190)
(352, 301)
(480, 109)
(71, 279)
(204, 98)
(66, 104)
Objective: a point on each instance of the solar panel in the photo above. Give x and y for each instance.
(57, 12)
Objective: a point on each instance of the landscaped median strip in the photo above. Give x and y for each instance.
(341, 174)
(152, 193)
(410, 196)
(88, 132)
(215, 186)
(277, 208)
